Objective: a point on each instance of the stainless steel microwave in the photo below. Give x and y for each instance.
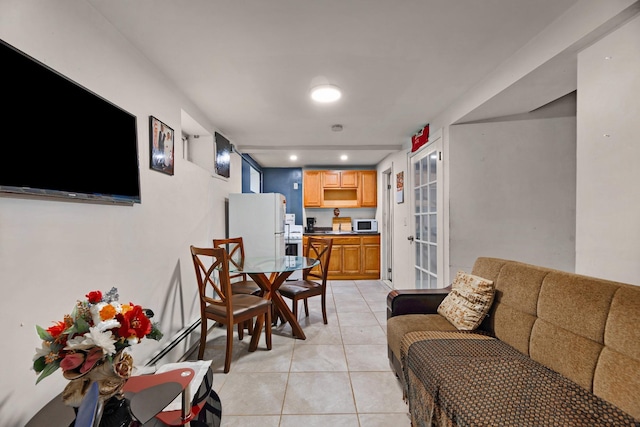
(364, 225)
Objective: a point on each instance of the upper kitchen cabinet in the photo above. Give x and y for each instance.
(312, 186)
(340, 188)
(340, 179)
(368, 189)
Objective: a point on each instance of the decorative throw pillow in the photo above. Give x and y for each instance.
(469, 301)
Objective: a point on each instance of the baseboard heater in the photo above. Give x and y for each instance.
(181, 336)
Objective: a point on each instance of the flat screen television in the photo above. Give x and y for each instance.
(223, 156)
(61, 140)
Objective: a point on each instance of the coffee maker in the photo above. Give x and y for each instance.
(311, 224)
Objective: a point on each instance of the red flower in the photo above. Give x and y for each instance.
(57, 329)
(133, 323)
(94, 297)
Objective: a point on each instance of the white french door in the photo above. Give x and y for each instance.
(428, 218)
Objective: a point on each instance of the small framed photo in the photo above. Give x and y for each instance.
(160, 146)
(400, 187)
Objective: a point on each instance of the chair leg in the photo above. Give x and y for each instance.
(203, 338)
(267, 329)
(294, 306)
(249, 324)
(240, 331)
(229, 350)
(324, 308)
(306, 307)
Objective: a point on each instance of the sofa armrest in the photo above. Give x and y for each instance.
(415, 301)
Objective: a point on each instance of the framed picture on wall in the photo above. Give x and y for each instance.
(400, 188)
(160, 146)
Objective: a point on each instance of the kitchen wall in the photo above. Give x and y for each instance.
(286, 181)
(54, 252)
(324, 216)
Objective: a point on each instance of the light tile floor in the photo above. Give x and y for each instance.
(338, 376)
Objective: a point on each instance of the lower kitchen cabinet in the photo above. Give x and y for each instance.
(354, 257)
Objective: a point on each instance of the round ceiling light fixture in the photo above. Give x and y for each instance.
(326, 93)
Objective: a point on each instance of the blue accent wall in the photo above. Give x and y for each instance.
(247, 163)
(281, 180)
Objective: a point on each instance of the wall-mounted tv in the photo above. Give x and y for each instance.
(61, 140)
(223, 156)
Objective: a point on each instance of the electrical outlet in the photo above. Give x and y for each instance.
(295, 185)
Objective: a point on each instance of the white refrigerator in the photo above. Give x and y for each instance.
(259, 219)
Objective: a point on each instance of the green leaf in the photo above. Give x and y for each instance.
(155, 333)
(39, 364)
(82, 325)
(43, 334)
(48, 370)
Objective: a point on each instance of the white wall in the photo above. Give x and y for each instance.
(54, 252)
(608, 191)
(583, 24)
(512, 192)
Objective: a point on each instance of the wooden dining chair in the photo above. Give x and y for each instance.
(240, 283)
(218, 303)
(314, 280)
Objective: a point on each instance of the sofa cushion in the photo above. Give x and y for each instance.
(464, 382)
(617, 376)
(398, 326)
(514, 309)
(468, 302)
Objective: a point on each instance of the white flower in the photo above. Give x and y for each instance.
(42, 351)
(96, 308)
(94, 337)
(80, 342)
(95, 312)
(107, 324)
(102, 339)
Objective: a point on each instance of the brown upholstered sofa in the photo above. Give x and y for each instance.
(555, 349)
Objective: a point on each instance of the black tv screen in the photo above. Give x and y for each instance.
(223, 156)
(62, 140)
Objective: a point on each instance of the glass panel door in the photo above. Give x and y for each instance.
(427, 215)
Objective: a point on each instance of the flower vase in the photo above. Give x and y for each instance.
(111, 375)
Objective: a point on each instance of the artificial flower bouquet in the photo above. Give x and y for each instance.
(96, 331)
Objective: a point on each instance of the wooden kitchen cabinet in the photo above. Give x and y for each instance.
(340, 179)
(340, 188)
(368, 189)
(353, 257)
(370, 256)
(312, 189)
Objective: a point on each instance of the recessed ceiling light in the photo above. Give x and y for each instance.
(326, 93)
(344, 157)
(293, 157)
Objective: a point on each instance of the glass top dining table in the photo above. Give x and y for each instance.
(271, 272)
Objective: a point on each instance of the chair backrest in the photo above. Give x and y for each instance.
(318, 248)
(212, 268)
(235, 250)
